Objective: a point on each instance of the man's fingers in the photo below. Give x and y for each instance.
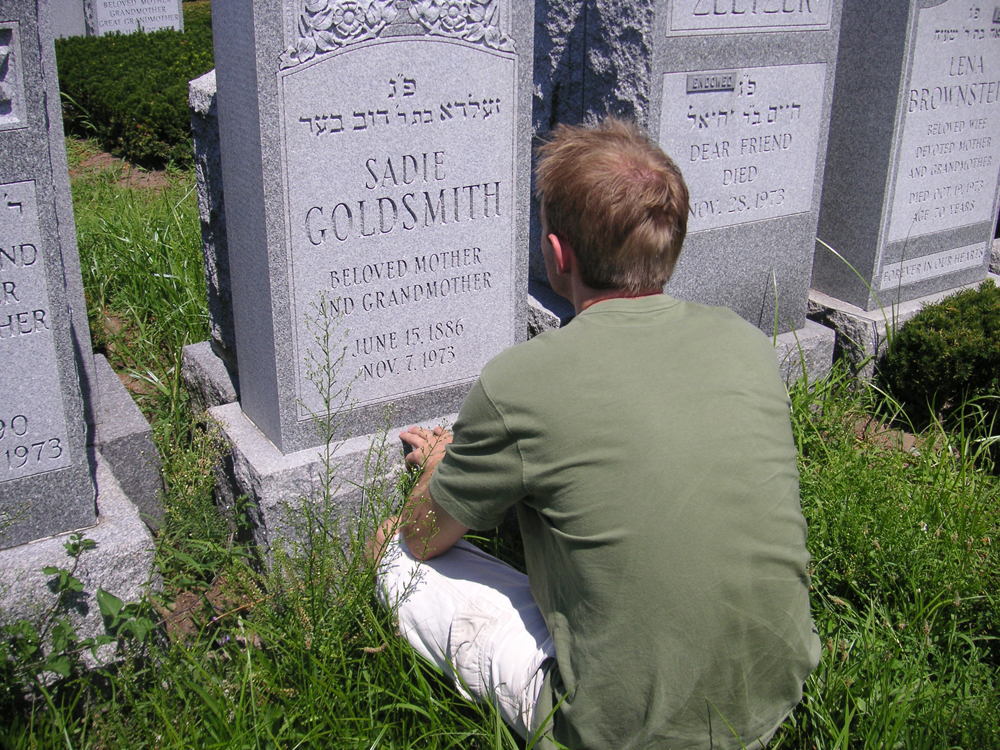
(408, 437)
(380, 539)
(424, 443)
(417, 439)
(415, 436)
(441, 432)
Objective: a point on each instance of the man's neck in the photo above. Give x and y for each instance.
(586, 297)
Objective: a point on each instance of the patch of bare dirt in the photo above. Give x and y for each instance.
(129, 175)
(136, 385)
(871, 431)
(113, 324)
(191, 611)
(112, 331)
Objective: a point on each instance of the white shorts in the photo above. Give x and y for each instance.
(474, 618)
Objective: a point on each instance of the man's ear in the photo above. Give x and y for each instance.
(562, 252)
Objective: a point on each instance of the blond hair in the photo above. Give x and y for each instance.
(618, 200)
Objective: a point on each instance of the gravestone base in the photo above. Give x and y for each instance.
(209, 381)
(861, 336)
(546, 309)
(805, 352)
(121, 564)
(126, 443)
(265, 489)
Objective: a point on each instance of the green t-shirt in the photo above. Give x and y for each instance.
(648, 448)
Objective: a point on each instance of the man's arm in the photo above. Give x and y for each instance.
(428, 528)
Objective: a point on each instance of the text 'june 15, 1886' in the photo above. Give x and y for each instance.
(400, 192)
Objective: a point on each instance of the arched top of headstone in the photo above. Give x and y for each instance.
(327, 26)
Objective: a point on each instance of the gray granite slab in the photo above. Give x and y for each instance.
(278, 486)
(805, 353)
(738, 93)
(207, 377)
(916, 122)
(68, 18)
(121, 564)
(212, 212)
(45, 476)
(376, 169)
(863, 335)
(130, 16)
(126, 444)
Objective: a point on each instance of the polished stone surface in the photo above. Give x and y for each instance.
(376, 177)
(46, 485)
(910, 198)
(130, 16)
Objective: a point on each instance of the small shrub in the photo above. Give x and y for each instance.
(947, 356)
(130, 91)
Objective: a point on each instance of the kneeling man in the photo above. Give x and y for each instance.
(648, 451)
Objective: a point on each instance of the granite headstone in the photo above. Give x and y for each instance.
(738, 93)
(910, 198)
(68, 18)
(46, 485)
(212, 212)
(130, 16)
(376, 164)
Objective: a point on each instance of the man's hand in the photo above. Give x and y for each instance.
(428, 529)
(428, 446)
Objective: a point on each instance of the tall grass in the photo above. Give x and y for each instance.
(143, 275)
(905, 579)
(904, 543)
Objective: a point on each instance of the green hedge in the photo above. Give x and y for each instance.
(130, 91)
(947, 355)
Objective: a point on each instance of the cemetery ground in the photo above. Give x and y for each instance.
(903, 532)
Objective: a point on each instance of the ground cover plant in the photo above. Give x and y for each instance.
(902, 532)
(130, 91)
(946, 359)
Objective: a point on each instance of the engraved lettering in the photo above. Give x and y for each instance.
(382, 214)
(9, 293)
(947, 144)
(749, 137)
(348, 220)
(730, 15)
(433, 210)
(314, 223)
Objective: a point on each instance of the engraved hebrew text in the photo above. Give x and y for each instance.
(745, 141)
(399, 193)
(949, 152)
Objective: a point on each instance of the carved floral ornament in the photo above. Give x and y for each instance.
(328, 25)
